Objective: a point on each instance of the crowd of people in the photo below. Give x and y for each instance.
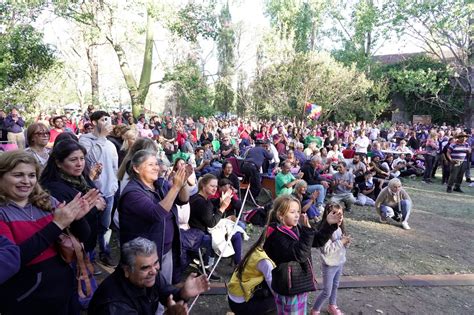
(170, 187)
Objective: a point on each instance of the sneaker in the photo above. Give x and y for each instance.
(405, 225)
(315, 312)
(458, 190)
(214, 277)
(425, 181)
(107, 260)
(334, 310)
(468, 180)
(197, 263)
(449, 189)
(383, 220)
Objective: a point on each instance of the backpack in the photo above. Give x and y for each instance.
(258, 216)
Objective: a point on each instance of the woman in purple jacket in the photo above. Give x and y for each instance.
(147, 209)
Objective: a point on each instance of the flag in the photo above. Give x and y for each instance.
(313, 111)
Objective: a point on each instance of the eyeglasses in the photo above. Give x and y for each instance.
(42, 134)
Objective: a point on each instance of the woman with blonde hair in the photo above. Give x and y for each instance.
(289, 241)
(395, 203)
(129, 138)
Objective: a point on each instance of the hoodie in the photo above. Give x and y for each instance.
(101, 150)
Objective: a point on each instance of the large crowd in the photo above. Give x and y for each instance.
(173, 190)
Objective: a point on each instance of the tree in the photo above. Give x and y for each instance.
(362, 32)
(189, 22)
(24, 59)
(224, 93)
(444, 29)
(343, 92)
(190, 91)
(425, 83)
(297, 20)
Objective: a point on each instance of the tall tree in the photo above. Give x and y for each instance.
(224, 92)
(444, 29)
(189, 22)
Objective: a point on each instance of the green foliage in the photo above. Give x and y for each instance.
(24, 58)
(425, 84)
(190, 89)
(296, 20)
(344, 93)
(226, 43)
(224, 96)
(194, 20)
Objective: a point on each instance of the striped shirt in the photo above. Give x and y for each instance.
(458, 151)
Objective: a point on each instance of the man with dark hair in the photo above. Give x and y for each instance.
(58, 128)
(457, 154)
(137, 286)
(102, 155)
(343, 182)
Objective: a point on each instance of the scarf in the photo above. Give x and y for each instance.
(78, 182)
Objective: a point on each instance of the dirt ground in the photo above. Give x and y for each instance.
(440, 242)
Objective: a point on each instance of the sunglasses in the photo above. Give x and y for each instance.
(44, 134)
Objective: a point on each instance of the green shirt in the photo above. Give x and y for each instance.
(280, 181)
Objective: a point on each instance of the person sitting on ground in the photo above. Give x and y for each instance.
(137, 286)
(343, 182)
(357, 167)
(394, 202)
(312, 176)
(284, 181)
(368, 190)
(308, 200)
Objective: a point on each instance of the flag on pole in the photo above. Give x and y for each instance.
(313, 111)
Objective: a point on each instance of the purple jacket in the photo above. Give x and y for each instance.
(9, 259)
(140, 214)
(14, 126)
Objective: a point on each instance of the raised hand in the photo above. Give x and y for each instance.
(180, 178)
(304, 221)
(92, 196)
(226, 198)
(65, 214)
(195, 285)
(334, 217)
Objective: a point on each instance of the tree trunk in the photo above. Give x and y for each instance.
(94, 68)
(145, 76)
(469, 101)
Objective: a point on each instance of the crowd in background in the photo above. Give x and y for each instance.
(176, 181)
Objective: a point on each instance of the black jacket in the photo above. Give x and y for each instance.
(282, 246)
(116, 295)
(311, 175)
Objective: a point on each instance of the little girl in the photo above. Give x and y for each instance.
(333, 255)
(290, 240)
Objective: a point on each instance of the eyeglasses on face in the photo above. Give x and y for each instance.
(42, 133)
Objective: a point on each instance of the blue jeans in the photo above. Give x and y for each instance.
(331, 276)
(390, 212)
(321, 190)
(105, 218)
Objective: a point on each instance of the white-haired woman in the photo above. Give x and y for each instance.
(395, 203)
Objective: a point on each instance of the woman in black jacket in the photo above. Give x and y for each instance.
(290, 240)
(65, 176)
